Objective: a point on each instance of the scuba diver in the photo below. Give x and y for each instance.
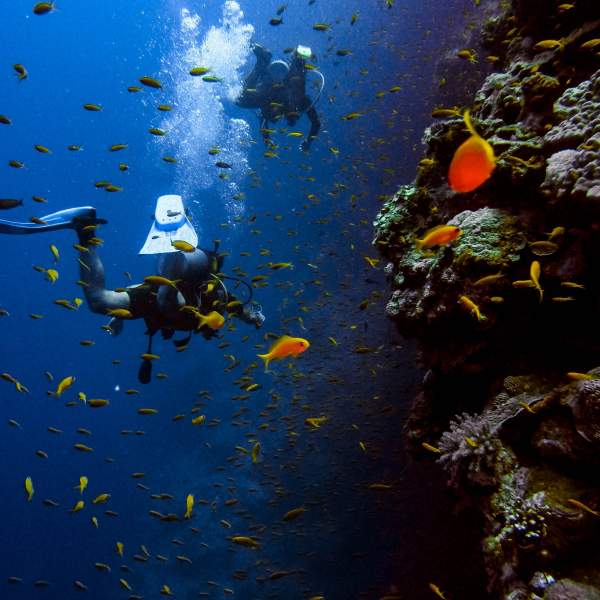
(188, 294)
(278, 89)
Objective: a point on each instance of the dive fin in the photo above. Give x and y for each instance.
(181, 345)
(145, 372)
(70, 218)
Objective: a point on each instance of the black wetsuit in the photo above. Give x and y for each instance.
(287, 99)
(167, 316)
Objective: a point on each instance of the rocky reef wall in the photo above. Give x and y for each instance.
(510, 403)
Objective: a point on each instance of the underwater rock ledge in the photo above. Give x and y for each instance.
(510, 402)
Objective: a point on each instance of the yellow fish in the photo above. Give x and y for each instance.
(583, 506)
(284, 347)
(159, 280)
(280, 265)
(101, 499)
(590, 44)
(431, 448)
(213, 319)
(120, 549)
(246, 541)
(64, 385)
(549, 45)
(29, 488)
(52, 275)
(290, 515)
(439, 236)
(467, 54)
(469, 305)
(489, 279)
(573, 376)
(373, 262)
(436, 590)
(189, 503)
(255, 452)
(83, 481)
(315, 422)
(534, 273)
(55, 252)
(183, 246)
(120, 313)
(78, 506)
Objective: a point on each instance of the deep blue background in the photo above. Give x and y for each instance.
(353, 542)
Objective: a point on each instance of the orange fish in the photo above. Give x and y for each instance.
(473, 161)
(285, 346)
(439, 236)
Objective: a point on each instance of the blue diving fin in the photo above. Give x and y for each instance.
(70, 218)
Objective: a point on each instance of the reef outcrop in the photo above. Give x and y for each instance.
(510, 402)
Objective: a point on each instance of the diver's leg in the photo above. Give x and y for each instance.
(250, 99)
(91, 272)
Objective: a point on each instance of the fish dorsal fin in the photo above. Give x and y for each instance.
(434, 229)
(280, 341)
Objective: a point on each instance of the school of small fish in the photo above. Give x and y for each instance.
(182, 517)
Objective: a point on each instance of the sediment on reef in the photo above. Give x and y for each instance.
(517, 437)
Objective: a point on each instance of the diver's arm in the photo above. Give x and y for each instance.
(91, 272)
(250, 313)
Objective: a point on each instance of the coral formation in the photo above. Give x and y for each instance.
(573, 171)
(506, 398)
(585, 404)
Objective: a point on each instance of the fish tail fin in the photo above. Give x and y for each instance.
(419, 244)
(266, 359)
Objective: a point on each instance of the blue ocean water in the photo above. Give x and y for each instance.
(314, 211)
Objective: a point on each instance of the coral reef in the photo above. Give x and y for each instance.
(508, 404)
(573, 172)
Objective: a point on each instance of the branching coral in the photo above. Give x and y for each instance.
(470, 452)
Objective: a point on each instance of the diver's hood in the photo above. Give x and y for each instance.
(278, 70)
(170, 224)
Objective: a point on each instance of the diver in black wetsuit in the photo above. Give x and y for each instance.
(279, 90)
(199, 283)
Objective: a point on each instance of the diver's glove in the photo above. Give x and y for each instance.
(115, 326)
(253, 314)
